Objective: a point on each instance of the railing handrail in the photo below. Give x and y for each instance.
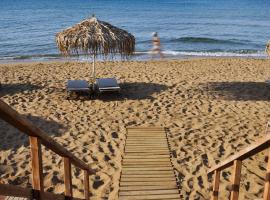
(262, 144)
(27, 127)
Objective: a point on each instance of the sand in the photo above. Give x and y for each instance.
(211, 107)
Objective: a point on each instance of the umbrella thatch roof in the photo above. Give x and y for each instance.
(92, 36)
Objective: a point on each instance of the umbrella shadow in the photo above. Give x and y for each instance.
(12, 138)
(240, 91)
(11, 89)
(134, 91)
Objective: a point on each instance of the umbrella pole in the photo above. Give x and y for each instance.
(94, 68)
(93, 71)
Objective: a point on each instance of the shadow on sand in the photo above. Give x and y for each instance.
(11, 89)
(12, 138)
(134, 91)
(240, 91)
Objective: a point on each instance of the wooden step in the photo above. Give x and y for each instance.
(150, 196)
(147, 172)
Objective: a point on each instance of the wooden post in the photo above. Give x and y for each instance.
(67, 177)
(86, 184)
(36, 156)
(266, 194)
(236, 176)
(216, 185)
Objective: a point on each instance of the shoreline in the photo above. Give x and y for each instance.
(84, 60)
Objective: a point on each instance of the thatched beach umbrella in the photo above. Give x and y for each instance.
(94, 37)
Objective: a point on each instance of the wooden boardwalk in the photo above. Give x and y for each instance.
(147, 170)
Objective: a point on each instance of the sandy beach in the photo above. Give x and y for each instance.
(211, 108)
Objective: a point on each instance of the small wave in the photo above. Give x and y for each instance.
(237, 53)
(144, 42)
(37, 57)
(206, 40)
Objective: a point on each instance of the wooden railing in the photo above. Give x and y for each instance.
(236, 162)
(37, 138)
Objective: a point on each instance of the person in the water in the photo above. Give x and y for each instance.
(267, 48)
(156, 45)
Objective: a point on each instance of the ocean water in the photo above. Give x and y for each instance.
(186, 27)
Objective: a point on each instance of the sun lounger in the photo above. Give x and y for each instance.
(107, 85)
(77, 86)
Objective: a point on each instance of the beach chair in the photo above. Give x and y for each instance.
(77, 87)
(107, 85)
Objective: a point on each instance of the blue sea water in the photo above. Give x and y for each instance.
(186, 27)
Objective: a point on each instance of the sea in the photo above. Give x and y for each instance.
(187, 28)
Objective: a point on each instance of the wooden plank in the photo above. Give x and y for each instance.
(147, 148)
(129, 156)
(147, 163)
(129, 128)
(145, 130)
(132, 179)
(150, 196)
(144, 142)
(67, 177)
(149, 136)
(146, 135)
(147, 139)
(15, 191)
(140, 165)
(146, 158)
(147, 168)
(27, 127)
(147, 187)
(164, 183)
(236, 176)
(127, 160)
(147, 175)
(36, 161)
(11, 190)
(216, 185)
(147, 172)
(146, 151)
(254, 148)
(154, 162)
(144, 192)
(150, 141)
(86, 185)
(266, 193)
(146, 145)
(140, 142)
